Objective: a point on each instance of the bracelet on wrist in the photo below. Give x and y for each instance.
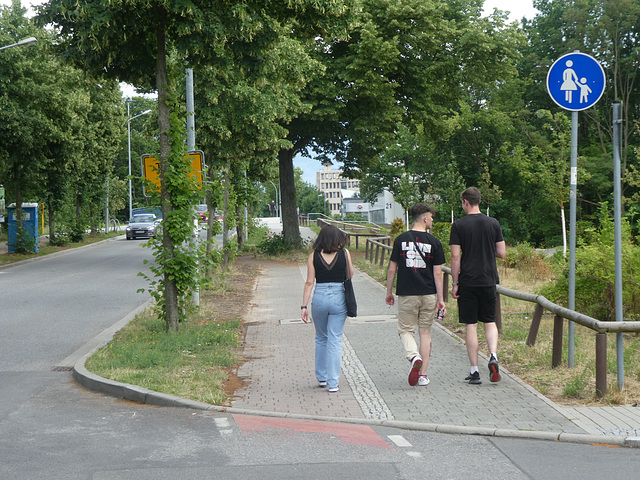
(303, 307)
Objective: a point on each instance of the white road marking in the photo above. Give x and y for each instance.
(399, 440)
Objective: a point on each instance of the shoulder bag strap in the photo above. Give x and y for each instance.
(420, 252)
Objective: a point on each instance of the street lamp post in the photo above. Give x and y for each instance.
(146, 112)
(277, 199)
(22, 43)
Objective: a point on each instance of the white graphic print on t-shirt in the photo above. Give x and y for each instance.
(411, 255)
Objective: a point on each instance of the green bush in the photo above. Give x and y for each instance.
(595, 273)
(576, 387)
(527, 261)
(397, 227)
(441, 230)
(275, 245)
(24, 242)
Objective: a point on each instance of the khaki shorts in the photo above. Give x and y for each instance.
(416, 310)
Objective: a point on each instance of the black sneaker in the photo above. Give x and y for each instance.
(494, 369)
(474, 378)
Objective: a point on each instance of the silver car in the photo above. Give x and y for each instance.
(143, 225)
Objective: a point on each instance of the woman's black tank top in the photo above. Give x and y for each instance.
(330, 273)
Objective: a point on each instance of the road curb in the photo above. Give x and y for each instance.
(149, 397)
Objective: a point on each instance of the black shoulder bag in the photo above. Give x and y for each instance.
(349, 294)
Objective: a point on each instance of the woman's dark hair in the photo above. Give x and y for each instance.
(330, 239)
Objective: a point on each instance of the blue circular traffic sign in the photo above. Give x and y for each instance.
(576, 81)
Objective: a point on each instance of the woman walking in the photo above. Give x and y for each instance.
(328, 267)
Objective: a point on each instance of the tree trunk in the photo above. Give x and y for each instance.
(211, 221)
(92, 219)
(290, 228)
(78, 208)
(172, 318)
(225, 220)
(564, 232)
(239, 226)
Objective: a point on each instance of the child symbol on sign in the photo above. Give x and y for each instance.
(584, 90)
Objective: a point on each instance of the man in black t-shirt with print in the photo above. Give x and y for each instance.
(476, 240)
(417, 257)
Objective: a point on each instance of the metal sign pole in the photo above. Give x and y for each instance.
(617, 213)
(191, 146)
(575, 82)
(572, 233)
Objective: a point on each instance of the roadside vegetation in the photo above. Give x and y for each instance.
(198, 361)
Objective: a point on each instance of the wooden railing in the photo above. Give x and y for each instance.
(377, 248)
(353, 230)
(560, 314)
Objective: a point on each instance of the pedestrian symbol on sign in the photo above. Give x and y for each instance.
(576, 81)
(570, 82)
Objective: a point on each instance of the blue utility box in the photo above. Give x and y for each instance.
(29, 223)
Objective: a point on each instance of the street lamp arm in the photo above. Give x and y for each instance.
(27, 41)
(24, 42)
(146, 112)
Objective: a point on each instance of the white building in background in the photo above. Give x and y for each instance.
(341, 195)
(383, 211)
(332, 185)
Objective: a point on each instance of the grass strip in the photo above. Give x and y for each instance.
(192, 363)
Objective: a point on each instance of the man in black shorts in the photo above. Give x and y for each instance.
(476, 240)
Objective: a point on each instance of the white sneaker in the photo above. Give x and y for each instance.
(423, 381)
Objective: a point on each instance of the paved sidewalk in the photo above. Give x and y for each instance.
(280, 382)
(279, 371)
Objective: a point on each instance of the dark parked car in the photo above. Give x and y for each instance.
(143, 225)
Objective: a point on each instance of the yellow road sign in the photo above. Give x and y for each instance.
(151, 170)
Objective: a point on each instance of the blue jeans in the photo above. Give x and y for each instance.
(329, 312)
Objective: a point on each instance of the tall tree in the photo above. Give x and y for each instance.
(196, 32)
(404, 61)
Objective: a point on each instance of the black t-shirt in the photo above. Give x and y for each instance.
(477, 236)
(414, 276)
(334, 272)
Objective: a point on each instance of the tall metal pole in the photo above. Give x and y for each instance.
(191, 124)
(191, 146)
(129, 150)
(617, 214)
(572, 233)
(106, 209)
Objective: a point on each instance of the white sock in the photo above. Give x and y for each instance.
(495, 355)
(474, 370)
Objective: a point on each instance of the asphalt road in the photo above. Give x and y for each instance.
(51, 428)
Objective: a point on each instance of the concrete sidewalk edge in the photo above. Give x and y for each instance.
(149, 397)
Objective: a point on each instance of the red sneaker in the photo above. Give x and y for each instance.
(494, 369)
(414, 373)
